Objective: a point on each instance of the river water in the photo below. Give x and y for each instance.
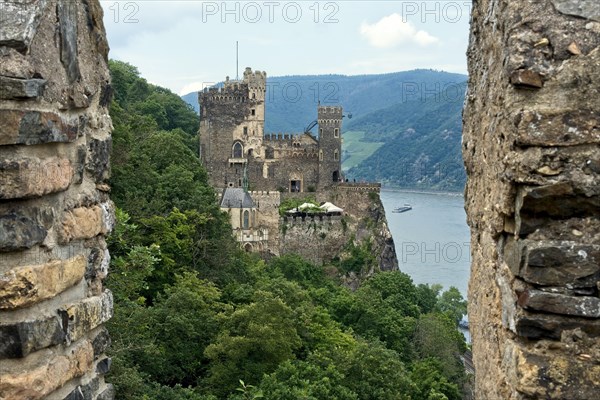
(432, 239)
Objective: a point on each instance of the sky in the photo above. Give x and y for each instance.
(188, 45)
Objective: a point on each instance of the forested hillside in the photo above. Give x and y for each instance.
(196, 318)
(422, 143)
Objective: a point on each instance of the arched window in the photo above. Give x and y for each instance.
(238, 150)
(336, 132)
(246, 219)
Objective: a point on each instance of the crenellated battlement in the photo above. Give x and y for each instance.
(281, 136)
(359, 186)
(329, 113)
(256, 79)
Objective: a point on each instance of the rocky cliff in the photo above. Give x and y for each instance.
(54, 205)
(532, 155)
(363, 224)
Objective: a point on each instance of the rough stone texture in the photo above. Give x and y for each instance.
(20, 339)
(46, 371)
(36, 127)
(19, 21)
(20, 230)
(25, 286)
(530, 146)
(24, 177)
(79, 319)
(54, 207)
(17, 88)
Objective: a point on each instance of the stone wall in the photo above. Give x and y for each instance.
(54, 206)
(320, 239)
(532, 155)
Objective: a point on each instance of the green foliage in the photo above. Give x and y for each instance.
(305, 380)
(452, 304)
(198, 319)
(430, 383)
(291, 203)
(256, 338)
(295, 268)
(358, 258)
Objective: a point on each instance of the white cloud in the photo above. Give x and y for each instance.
(391, 31)
(192, 87)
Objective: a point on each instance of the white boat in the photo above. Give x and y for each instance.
(404, 208)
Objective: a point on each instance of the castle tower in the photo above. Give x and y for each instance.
(232, 127)
(330, 145)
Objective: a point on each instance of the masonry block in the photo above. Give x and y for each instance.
(46, 372)
(33, 177)
(82, 223)
(21, 230)
(18, 88)
(19, 339)
(80, 318)
(24, 286)
(36, 127)
(580, 306)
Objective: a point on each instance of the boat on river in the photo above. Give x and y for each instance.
(404, 208)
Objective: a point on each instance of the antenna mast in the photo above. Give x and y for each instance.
(237, 76)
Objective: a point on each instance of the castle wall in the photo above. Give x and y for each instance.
(320, 239)
(267, 206)
(54, 206)
(532, 155)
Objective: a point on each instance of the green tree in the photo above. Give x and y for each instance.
(452, 304)
(430, 383)
(256, 338)
(436, 337)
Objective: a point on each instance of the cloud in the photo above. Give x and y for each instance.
(193, 87)
(392, 30)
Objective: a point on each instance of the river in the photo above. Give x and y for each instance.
(432, 239)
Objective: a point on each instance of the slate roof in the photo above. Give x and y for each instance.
(236, 198)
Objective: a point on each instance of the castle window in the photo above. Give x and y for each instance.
(320, 132)
(238, 150)
(253, 95)
(246, 219)
(320, 155)
(253, 111)
(269, 153)
(336, 132)
(336, 155)
(245, 130)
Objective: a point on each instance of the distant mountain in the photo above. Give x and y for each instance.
(409, 121)
(292, 100)
(421, 143)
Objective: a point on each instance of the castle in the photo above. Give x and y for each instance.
(255, 171)
(234, 147)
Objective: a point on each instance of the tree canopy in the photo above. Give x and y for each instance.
(197, 318)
